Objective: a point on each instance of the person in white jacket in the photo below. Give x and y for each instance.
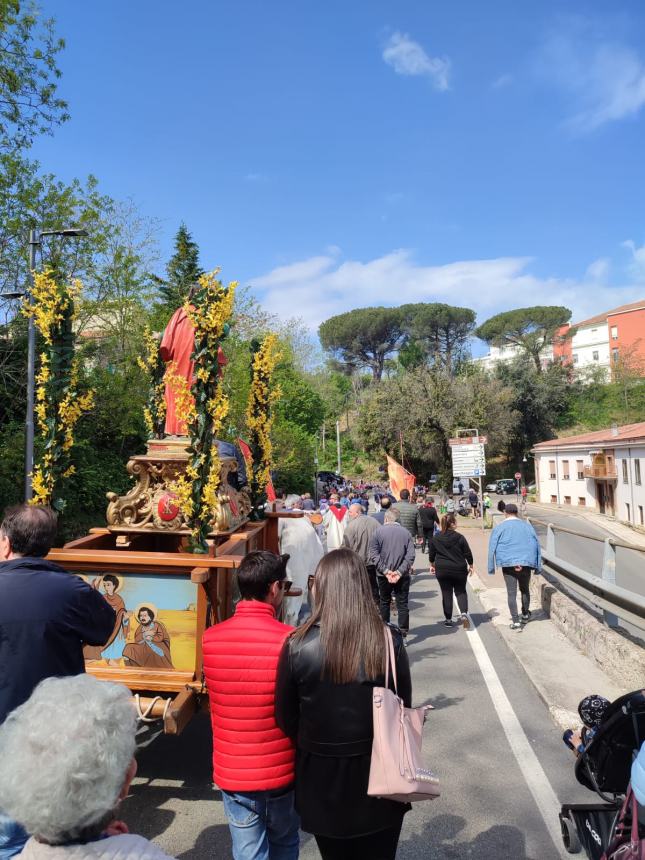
(56, 779)
(298, 539)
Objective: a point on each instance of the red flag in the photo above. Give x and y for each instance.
(246, 453)
(400, 478)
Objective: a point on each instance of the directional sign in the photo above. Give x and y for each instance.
(468, 440)
(469, 460)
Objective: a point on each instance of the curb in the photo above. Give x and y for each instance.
(562, 717)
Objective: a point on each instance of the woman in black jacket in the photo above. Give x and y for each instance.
(452, 561)
(326, 674)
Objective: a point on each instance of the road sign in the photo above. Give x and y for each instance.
(468, 440)
(469, 460)
(518, 475)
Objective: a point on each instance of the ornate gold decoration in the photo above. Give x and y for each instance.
(157, 472)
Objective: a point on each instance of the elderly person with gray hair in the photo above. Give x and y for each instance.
(68, 761)
(393, 553)
(358, 537)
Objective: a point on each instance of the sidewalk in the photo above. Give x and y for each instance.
(621, 531)
(560, 673)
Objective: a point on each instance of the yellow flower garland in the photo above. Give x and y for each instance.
(58, 403)
(259, 410)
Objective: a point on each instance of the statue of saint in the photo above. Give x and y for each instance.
(177, 347)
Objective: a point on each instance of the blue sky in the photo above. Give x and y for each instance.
(337, 154)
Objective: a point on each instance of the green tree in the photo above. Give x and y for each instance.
(29, 104)
(541, 402)
(439, 332)
(426, 405)
(530, 330)
(182, 272)
(364, 337)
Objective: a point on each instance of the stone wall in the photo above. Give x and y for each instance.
(622, 659)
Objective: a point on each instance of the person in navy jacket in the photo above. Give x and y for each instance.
(46, 616)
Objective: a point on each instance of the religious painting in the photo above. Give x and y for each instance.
(155, 625)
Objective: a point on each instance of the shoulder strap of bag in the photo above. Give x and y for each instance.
(390, 659)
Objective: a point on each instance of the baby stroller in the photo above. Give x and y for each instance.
(604, 766)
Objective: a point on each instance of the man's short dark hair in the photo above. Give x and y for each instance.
(510, 508)
(258, 570)
(405, 495)
(30, 529)
(385, 502)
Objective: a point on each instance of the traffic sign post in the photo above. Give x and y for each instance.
(468, 452)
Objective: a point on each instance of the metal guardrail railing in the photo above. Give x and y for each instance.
(614, 601)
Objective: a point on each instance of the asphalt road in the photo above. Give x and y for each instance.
(587, 553)
(493, 774)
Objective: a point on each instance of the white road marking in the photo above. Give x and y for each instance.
(536, 779)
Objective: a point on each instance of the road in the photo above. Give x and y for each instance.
(586, 553)
(495, 775)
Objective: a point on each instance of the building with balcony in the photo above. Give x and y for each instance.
(602, 470)
(598, 342)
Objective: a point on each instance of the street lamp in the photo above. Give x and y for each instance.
(35, 237)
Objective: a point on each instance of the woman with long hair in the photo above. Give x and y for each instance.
(452, 561)
(327, 670)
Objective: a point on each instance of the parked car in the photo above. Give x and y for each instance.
(330, 477)
(507, 486)
(491, 488)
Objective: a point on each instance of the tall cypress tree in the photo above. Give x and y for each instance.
(182, 271)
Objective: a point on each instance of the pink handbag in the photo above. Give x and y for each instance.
(395, 771)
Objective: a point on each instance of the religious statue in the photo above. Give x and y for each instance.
(176, 349)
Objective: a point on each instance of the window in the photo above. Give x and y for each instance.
(640, 515)
(614, 354)
(637, 471)
(614, 332)
(580, 469)
(567, 500)
(552, 469)
(595, 355)
(574, 357)
(565, 470)
(625, 473)
(582, 501)
(554, 499)
(629, 512)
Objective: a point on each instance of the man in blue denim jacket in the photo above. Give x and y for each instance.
(515, 548)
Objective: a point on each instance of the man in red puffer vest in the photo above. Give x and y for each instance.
(253, 761)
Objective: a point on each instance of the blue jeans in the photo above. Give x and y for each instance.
(12, 837)
(264, 825)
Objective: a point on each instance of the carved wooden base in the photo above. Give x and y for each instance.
(151, 504)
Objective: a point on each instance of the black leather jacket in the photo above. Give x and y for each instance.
(325, 718)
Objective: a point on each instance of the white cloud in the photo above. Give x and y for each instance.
(598, 271)
(603, 81)
(502, 81)
(407, 57)
(320, 287)
(637, 266)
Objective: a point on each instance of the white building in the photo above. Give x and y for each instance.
(603, 470)
(596, 342)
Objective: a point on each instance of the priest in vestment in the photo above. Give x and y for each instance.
(334, 521)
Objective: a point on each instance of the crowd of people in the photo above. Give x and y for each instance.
(289, 681)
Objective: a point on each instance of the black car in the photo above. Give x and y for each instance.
(330, 477)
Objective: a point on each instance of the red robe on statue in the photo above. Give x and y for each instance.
(177, 346)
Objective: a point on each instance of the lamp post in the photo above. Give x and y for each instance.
(35, 237)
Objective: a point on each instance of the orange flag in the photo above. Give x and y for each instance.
(400, 478)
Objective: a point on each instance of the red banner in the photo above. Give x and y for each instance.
(400, 478)
(246, 453)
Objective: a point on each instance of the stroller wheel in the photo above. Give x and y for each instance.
(569, 835)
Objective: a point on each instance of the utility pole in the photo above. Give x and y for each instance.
(401, 445)
(338, 444)
(323, 438)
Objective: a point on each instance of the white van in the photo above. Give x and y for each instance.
(465, 485)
